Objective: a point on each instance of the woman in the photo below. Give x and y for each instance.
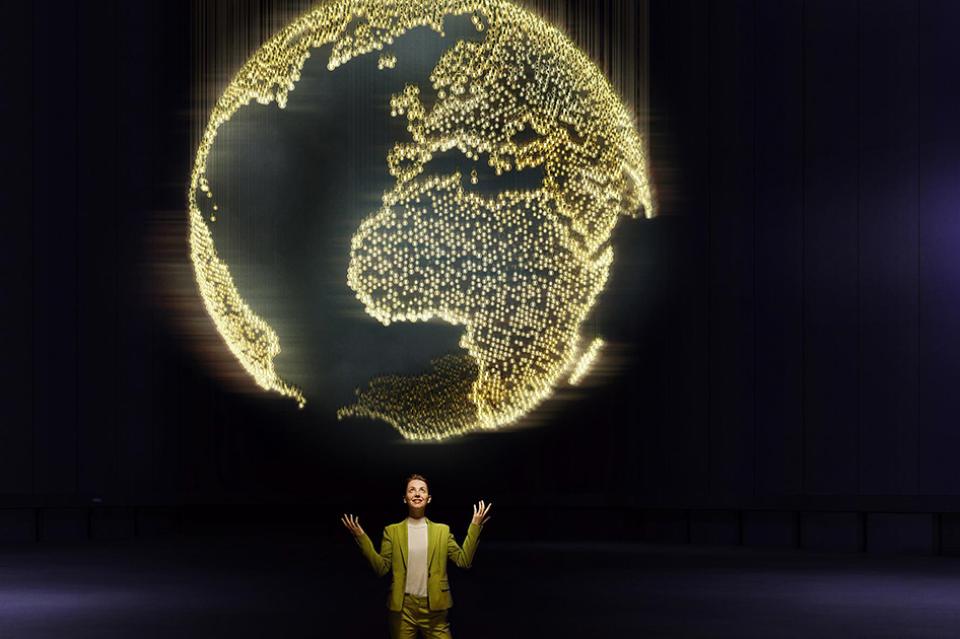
(420, 593)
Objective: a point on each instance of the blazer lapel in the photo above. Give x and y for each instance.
(431, 541)
(403, 541)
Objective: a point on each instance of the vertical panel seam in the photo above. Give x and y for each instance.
(918, 481)
(76, 260)
(33, 250)
(858, 448)
(709, 252)
(753, 399)
(116, 251)
(803, 247)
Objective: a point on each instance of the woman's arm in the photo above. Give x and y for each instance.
(463, 557)
(380, 562)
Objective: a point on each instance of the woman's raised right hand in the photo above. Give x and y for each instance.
(353, 525)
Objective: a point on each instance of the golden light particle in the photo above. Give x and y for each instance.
(585, 362)
(387, 61)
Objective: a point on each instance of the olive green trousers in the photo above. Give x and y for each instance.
(415, 617)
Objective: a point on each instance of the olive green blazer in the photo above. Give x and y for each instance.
(440, 546)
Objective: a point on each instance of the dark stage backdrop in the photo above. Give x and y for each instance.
(799, 296)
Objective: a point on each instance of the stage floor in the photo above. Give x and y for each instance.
(295, 586)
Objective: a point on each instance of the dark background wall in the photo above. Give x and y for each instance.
(795, 347)
(817, 301)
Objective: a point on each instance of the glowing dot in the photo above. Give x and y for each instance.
(585, 362)
(387, 61)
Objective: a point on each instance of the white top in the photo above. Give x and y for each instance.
(416, 557)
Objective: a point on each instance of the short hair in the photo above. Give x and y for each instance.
(411, 478)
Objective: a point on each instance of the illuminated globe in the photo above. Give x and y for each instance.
(402, 210)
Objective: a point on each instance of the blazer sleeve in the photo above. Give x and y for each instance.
(379, 561)
(463, 557)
